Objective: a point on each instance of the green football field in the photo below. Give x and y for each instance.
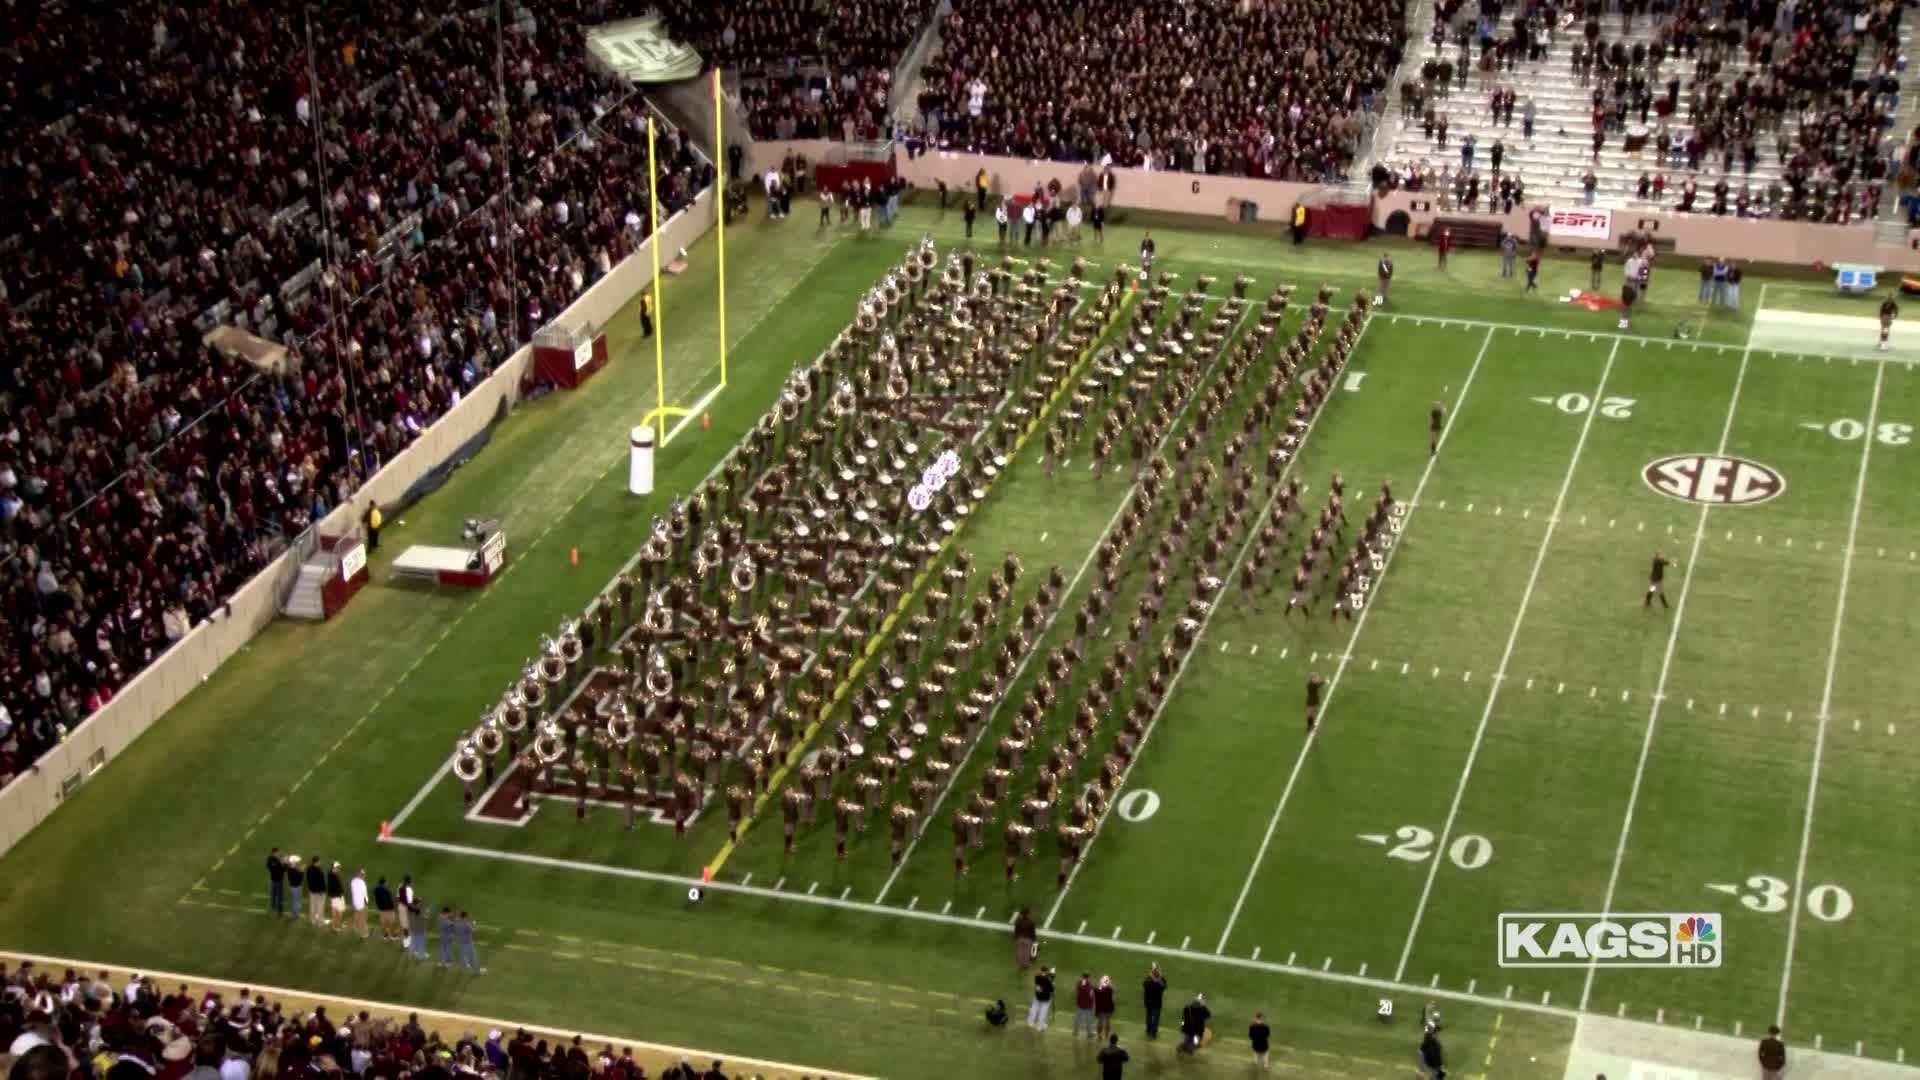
(1507, 727)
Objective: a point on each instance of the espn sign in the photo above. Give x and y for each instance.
(1579, 223)
(1586, 939)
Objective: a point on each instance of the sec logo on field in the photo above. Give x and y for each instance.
(1714, 480)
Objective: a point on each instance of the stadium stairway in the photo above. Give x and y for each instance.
(306, 602)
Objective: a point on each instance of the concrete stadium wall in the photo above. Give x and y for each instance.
(655, 1057)
(1777, 242)
(38, 792)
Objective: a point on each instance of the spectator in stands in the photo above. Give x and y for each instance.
(144, 477)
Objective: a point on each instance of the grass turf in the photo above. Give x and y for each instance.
(317, 733)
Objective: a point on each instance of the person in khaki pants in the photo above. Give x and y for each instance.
(357, 891)
(317, 891)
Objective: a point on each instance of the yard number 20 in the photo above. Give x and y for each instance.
(1468, 851)
(1613, 408)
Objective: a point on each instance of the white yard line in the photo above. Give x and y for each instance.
(1174, 682)
(1346, 656)
(1826, 695)
(1506, 655)
(1666, 665)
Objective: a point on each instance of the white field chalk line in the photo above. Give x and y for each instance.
(1660, 684)
(1273, 823)
(1826, 696)
(1513, 639)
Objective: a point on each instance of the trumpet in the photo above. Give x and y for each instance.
(550, 745)
(467, 764)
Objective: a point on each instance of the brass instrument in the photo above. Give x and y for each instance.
(489, 739)
(570, 646)
(467, 763)
(550, 745)
(745, 574)
(659, 617)
(659, 676)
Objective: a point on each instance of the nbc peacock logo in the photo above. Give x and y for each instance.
(1698, 929)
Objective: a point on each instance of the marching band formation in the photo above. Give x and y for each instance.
(784, 596)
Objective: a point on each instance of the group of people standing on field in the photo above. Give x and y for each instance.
(336, 901)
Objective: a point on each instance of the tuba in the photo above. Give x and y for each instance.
(709, 554)
(489, 739)
(569, 645)
(550, 745)
(744, 574)
(467, 764)
(620, 726)
(659, 676)
(789, 407)
(802, 388)
(659, 617)
(844, 400)
(552, 666)
(532, 691)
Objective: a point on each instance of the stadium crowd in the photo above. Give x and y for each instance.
(70, 1026)
(807, 73)
(166, 177)
(1707, 90)
(1214, 86)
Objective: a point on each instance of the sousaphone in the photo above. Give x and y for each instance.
(659, 676)
(551, 744)
(489, 739)
(467, 762)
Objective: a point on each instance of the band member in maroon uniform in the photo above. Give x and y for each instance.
(1315, 685)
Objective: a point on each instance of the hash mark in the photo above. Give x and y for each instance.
(1789, 541)
(1592, 691)
(1116, 934)
(1403, 669)
(1659, 1016)
(1256, 952)
(913, 902)
(1375, 666)
(1611, 522)
(1471, 983)
(1043, 537)
(1327, 964)
(981, 913)
(1818, 1040)
(1561, 689)
(1509, 992)
(1434, 983)
(1641, 527)
(849, 889)
(1150, 936)
(1697, 1021)
(1436, 672)
(1546, 997)
(1469, 508)
(1185, 941)
(1789, 716)
(1083, 927)
(1856, 725)
(1723, 708)
(1290, 957)
(1623, 695)
(1689, 704)
(1857, 1049)
(1443, 504)
(1223, 646)
(812, 887)
(1525, 514)
(1756, 712)
(1621, 1011)
(1496, 511)
(1363, 969)
(1314, 659)
(1283, 651)
(1889, 729)
(946, 907)
(1466, 676)
(1737, 1025)
(1253, 651)
(1529, 684)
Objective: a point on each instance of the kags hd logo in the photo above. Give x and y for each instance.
(1574, 939)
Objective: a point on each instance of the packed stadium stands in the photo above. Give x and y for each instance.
(68, 1024)
(166, 178)
(1759, 109)
(1214, 86)
(805, 73)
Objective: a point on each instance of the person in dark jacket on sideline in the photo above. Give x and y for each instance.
(1153, 994)
(1112, 1059)
(1193, 1023)
(316, 891)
